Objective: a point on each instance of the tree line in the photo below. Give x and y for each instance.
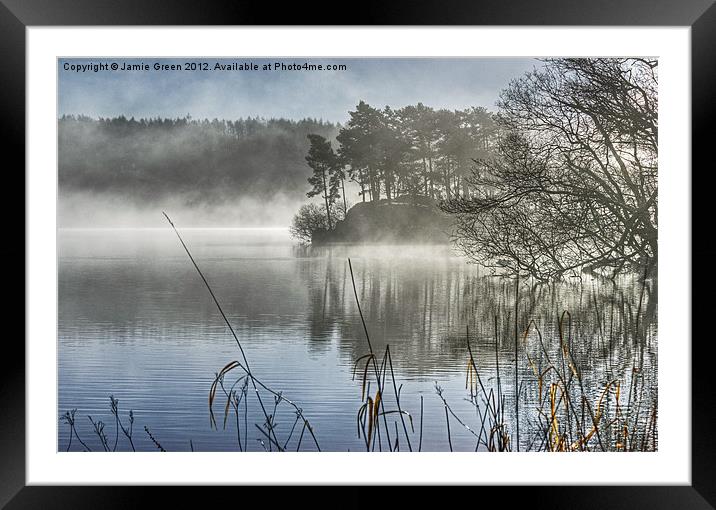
(561, 179)
(390, 153)
(572, 184)
(204, 161)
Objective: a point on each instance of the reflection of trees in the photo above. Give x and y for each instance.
(422, 306)
(324, 298)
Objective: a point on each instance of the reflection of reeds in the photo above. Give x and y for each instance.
(576, 421)
(562, 415)
(569, 418)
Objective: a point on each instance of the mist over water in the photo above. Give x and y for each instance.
(136, 322)
(107, 210)
(566, 363)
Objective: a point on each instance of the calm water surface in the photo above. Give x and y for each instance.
(136, 322)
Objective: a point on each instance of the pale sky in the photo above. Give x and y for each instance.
(453, 83)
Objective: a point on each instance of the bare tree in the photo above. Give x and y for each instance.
(312, 218)
(574, 183)
(309, 219)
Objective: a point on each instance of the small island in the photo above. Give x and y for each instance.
(403, 164)
(403, 220)
(467, 280)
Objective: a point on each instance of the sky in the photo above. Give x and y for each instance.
(453, 83)
(91, 87)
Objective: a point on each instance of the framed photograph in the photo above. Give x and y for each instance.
(450, 248)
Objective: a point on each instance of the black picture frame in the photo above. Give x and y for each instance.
(700, 15)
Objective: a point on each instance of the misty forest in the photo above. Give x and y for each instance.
(413, 278)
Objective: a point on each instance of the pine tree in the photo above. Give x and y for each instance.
(323, 161)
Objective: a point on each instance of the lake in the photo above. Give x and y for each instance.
(135, 321)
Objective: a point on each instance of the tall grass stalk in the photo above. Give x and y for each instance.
(232, 398)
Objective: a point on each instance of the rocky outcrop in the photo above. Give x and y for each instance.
(401, 220)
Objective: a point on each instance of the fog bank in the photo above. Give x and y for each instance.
(123, 172)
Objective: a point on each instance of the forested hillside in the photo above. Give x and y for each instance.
(195, 161)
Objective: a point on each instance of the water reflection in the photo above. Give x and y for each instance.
(134, 320)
